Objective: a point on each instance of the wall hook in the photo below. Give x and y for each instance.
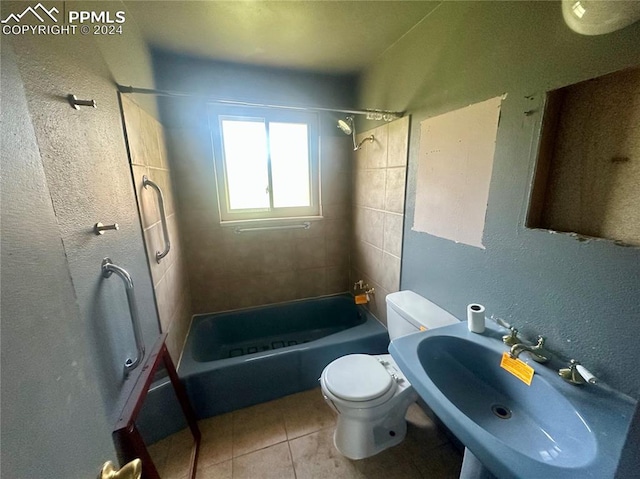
(99, 228)
(76, 103)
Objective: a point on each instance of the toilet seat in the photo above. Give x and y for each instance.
(358, 378)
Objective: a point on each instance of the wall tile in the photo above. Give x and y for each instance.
(208, 257)
(163, 153)
(163, 180)
(147, 200)
(393, 234)
(366, 258)
(247, 258)
(358, 190)
(277, 256)
(131, 113)
(310, 253)
(373, 184)
(175, 238)
(148, 157)
(154, 242)
(390, 278)
(377, 150)
(337, 253)
(311, 282)
(378, 208)
(280, 286)
(337, 280)
(395, 187)
(149, 127)
(332, 210)
(336, 189)
(370, 225)
(360, 156)
(245, 291)
(398, 142)
(338, 229)
(209, 295)
(315, 230)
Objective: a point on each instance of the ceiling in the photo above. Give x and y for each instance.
(318, 35)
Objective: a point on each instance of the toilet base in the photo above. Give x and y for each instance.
(359, 438)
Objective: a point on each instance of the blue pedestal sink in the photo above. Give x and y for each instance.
(550, 429)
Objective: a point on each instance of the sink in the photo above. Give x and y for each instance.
(549, 429)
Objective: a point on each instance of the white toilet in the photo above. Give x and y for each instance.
(370, 393)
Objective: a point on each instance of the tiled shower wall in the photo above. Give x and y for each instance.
(228, 270)
(380, 171)
(147, 152)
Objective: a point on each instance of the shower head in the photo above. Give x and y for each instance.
(349, 128)
(346, 125)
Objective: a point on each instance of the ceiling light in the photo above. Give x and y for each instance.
(597, 17)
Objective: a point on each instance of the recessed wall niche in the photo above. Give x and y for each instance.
(587, 178)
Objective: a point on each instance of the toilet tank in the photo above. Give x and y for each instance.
(408, 312)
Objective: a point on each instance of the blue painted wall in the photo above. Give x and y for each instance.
(582, 295)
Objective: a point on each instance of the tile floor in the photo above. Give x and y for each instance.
(292, 438)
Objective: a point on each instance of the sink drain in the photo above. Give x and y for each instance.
(503, 412)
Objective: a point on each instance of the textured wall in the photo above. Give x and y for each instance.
(85, 161)
(228, 270)
(378, 189)
(49, 395)
(148, 156)
(66, 331)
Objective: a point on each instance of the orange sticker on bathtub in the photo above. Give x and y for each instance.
(519, 369)
(361, 299)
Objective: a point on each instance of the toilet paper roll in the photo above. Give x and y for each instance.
(475, 318)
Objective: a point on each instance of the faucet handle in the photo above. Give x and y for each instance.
(576, 373)
(511, 338)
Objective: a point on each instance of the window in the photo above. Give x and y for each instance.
(266, 163)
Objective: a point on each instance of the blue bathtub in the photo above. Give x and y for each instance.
(241, 358)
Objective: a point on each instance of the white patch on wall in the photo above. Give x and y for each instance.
(454, 172)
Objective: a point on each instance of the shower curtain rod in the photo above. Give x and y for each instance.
(371, 114)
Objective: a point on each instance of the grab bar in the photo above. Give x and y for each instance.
(163, 218)
(107, 268)
(306, 225)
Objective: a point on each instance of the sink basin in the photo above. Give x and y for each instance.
(549, 429)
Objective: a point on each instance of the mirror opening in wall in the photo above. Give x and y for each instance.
(587, 178)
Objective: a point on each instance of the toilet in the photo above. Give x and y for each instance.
(369, 392)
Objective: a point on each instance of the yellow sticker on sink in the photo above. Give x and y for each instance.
(521, 370)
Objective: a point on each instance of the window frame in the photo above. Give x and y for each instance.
(218, 113)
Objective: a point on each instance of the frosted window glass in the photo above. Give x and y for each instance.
(245, 156)
(289, 164)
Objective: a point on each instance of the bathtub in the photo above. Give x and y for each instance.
(241, 358)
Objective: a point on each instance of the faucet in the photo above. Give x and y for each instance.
(576, 373)
(537, 352)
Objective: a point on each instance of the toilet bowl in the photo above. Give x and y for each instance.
(370, 393)
(371, 396)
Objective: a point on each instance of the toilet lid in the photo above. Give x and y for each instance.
(357, 377)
